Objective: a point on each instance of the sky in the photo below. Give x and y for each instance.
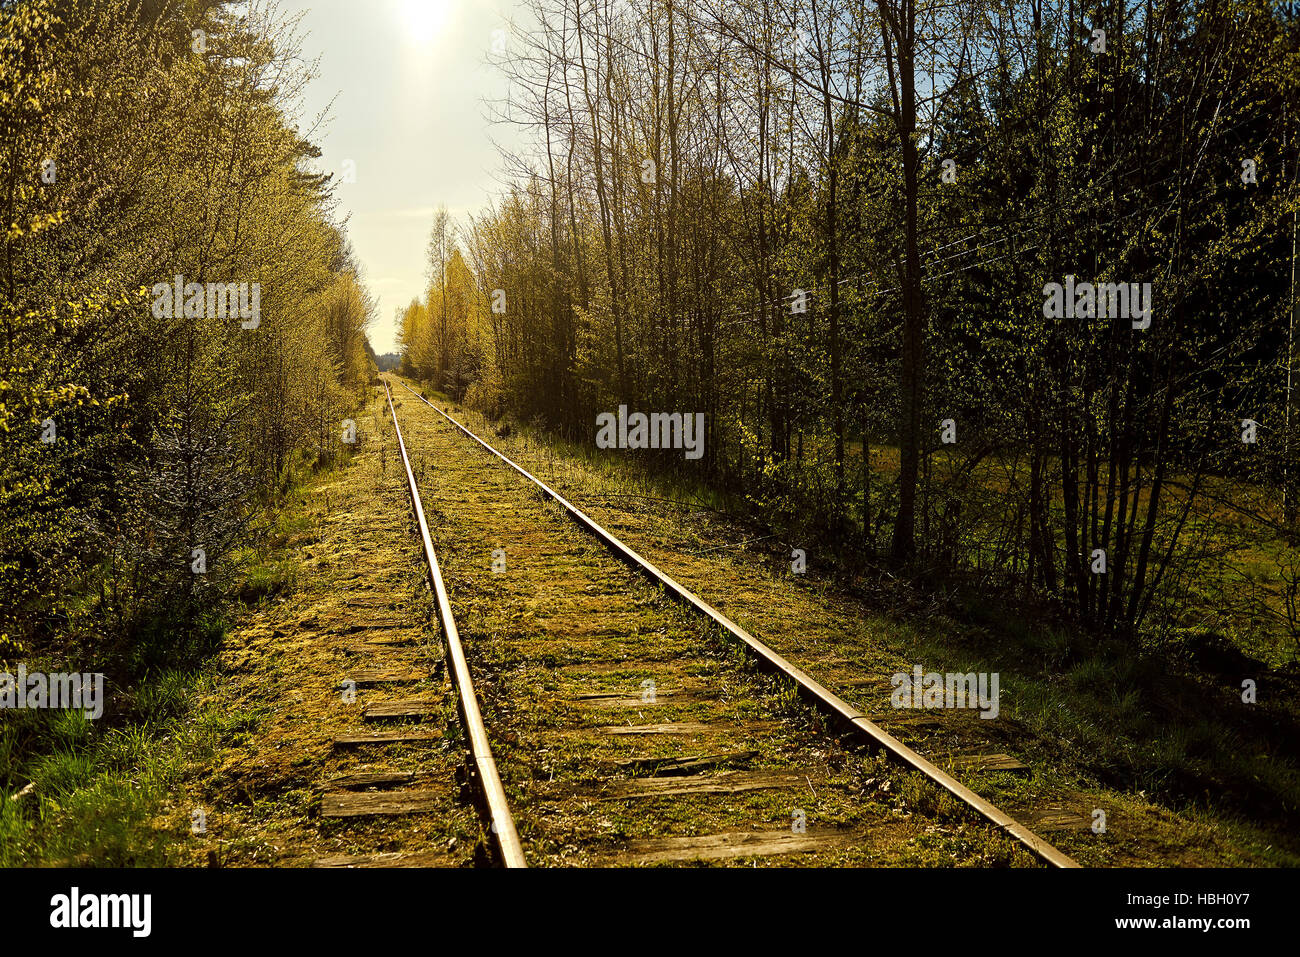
(407, 79)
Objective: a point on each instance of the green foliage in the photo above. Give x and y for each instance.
(131, 158)
(811, 169)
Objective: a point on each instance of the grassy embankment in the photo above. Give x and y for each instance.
(76, 791)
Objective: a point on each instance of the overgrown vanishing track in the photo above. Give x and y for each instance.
(629, 720)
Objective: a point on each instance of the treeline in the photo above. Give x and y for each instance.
(442, 337)
(183, 319)
(832, 226)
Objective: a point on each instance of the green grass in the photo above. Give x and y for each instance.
(98, 791)
(103, 792)
(268, 566)
(1132, 718)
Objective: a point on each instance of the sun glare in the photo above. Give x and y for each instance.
(422, 20)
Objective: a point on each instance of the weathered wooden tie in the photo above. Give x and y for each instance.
(420, 859)
(687, 764)
(988, 762)
(731, 844)
(672, 727)
(366, 803)
(726, 782)
(369, 779)
(390, 737)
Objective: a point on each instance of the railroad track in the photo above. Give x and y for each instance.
(489, 781)
(626, 731)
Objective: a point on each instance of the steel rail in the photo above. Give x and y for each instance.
(503, 823)
(849, 716)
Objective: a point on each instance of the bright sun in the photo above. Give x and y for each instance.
(422, 19)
